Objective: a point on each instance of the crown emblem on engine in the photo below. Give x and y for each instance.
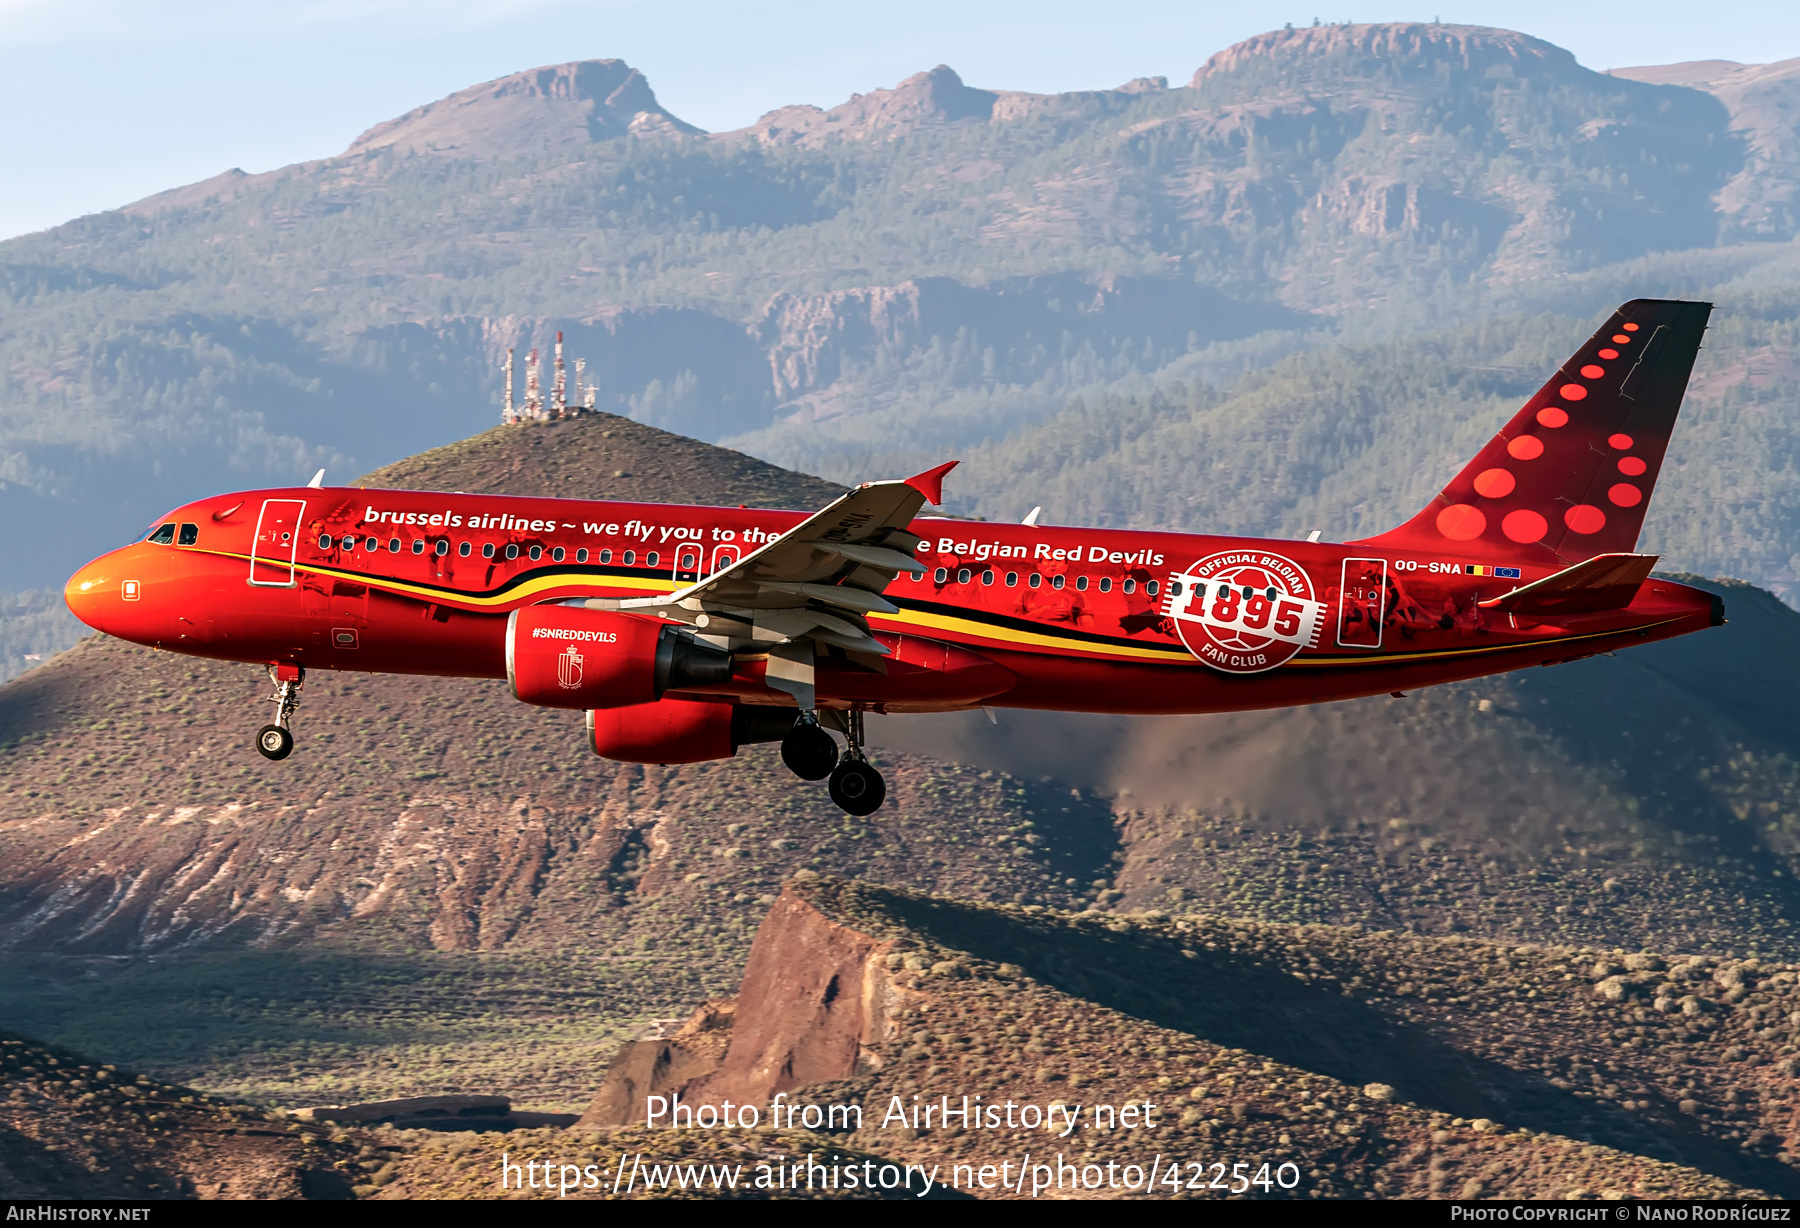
(568, 669)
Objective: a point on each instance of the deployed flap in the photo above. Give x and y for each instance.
(1604, 582)
(842, 558)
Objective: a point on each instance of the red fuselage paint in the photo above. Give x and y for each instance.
(414, 583)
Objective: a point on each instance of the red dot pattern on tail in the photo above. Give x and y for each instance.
(1461, 523)
(1494, 484)
(1569, 475)
(1585, 518)
(1524, 525)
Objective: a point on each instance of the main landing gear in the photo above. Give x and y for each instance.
(277, 741)
(852, 780)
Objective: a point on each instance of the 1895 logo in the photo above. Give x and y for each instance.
(1244, 611)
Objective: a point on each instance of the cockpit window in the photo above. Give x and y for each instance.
(190, 533)
(164, 536)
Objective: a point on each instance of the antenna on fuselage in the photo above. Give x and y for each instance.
(318, 481)
(1031, 516)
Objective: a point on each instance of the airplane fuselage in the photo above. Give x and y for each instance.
(1095, 620)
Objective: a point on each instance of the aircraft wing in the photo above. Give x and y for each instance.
(820, 578)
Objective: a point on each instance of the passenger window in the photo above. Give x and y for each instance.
(512, 551)
(349, 543)
(1106, 584)
(418, 546)
(465, 549)
(630, 558)
(1081, 584)
(556, 555)
(190, 533)
(1175, 588)
(1058, 581)
(1012, 579)
(164, 536)
(1150, 587)
(487, 550)
(606, 556)
(581, 555)
(443, 548)
(537, 552)
(1130, 586)
(987, 577)
(915, 576)
(324, 541)
(374, 543)
(940, 575)
(393, 545)
(651, 559)
(962, 575)
(1037, 581)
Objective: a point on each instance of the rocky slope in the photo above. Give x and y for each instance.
(1378, 1065)
(74, 1128)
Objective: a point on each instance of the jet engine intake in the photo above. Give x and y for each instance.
(560, 656)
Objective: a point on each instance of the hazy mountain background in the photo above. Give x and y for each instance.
(1291, 293)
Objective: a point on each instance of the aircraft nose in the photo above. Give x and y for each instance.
(90, 592)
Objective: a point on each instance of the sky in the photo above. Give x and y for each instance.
(103, 102)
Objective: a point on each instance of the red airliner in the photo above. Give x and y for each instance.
(685, 632)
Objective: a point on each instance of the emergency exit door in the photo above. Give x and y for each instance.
(277, 540)
(1362, 603)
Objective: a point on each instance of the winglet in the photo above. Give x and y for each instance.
(931, 482)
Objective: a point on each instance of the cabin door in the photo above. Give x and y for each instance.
(277, 540)
(688, 557)
(1362, 603)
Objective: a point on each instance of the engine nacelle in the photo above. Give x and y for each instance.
(560, 656)
(683, 730)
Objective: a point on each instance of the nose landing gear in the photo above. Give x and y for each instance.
(277, 741)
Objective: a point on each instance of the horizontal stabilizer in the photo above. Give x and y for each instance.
(1604, 582)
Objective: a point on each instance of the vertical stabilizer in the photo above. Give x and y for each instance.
(1570, 476)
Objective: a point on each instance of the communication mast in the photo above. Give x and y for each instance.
(580, 366)
(559, 398)
(534, 397)
(508, 414)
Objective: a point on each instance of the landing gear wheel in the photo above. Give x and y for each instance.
(857, 787)
(274, 742)
(277, 741)
(809, 751)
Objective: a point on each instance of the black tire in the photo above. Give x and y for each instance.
(857, 787)
(809, 751)
(274, 742)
